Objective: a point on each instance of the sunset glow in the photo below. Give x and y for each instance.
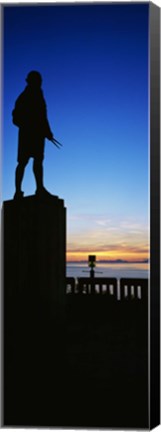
(122, 242)
(120, 252)
(111, 256)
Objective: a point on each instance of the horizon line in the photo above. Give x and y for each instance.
(117, 261)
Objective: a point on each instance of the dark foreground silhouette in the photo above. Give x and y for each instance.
(30, 115)
(89, 370)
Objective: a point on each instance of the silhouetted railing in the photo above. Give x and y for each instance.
(104, 286)
(70, 285)
(120, 289)
(133, 289)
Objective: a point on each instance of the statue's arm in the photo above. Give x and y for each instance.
(48, 132)
(17, 113)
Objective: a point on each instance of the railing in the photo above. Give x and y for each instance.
(70, 285)
(133, 289)
(104, 286)
(122, 289)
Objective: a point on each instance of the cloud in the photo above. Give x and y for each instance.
(111, 222)
(109, 248)
(107, 237)
(103, 222)
(99, 219)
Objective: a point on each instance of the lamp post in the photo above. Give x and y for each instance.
(91, 264)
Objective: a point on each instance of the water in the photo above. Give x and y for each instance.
(109, 270)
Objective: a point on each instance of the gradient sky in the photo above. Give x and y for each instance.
(94, 63)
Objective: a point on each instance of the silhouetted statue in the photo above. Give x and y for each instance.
(30, 115)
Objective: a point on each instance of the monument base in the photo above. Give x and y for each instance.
(34, 300)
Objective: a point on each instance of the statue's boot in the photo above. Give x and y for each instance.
(43, 193)
(18, 195)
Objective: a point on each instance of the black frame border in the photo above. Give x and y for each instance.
(154, 305)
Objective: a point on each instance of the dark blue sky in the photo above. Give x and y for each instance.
(94, 63)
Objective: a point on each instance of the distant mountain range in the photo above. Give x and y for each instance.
(118, 261)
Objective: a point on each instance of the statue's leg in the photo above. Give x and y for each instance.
(38, 172)
(19, 175)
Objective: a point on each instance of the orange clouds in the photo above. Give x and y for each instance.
(109, 240)
(113, 252)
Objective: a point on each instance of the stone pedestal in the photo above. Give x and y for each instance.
(34, 299)
(34, 249)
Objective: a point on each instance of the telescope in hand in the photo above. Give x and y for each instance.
(56, 143)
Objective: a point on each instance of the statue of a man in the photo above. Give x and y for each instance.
(30, 115)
